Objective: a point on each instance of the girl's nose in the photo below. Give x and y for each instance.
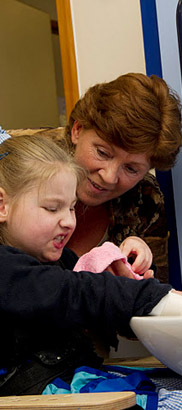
(110, 174)
(68, 220)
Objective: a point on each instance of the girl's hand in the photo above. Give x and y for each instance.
(137, 248)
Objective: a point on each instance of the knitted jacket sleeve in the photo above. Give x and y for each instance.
(36, 295)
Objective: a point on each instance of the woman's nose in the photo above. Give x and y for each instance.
(110, 174)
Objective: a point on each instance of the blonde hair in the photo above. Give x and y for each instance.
(140, 114)
(31, 159)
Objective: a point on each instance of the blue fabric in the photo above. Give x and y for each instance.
(88, 380)
(58, 385)
(3, 371)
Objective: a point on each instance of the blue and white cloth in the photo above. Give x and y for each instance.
(3, 135)
(121, 378)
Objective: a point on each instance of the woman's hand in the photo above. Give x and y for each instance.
(137, 248)
(118, 268)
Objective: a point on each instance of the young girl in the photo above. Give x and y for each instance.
(45, 305)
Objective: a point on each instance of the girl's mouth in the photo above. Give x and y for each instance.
(58, 241)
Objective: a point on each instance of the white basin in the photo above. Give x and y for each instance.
(162, 336)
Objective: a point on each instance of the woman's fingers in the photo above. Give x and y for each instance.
(118, 268)
(148, 274)
(136, 247)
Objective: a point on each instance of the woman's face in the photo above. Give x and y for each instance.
(112, 171)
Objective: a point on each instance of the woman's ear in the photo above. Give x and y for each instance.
(75, 132)
(4, 205)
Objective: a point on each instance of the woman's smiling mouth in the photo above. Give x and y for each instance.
(96, 186)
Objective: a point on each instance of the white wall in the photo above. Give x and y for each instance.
(108, 39)
(166, 15)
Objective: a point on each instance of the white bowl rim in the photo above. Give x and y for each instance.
(157, 318)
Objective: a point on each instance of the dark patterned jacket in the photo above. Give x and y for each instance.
(140, 212)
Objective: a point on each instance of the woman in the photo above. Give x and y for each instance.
(118, 131)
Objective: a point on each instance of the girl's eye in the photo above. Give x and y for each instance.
(50, 209)
(72, 209)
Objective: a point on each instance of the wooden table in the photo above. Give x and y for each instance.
(82, 401)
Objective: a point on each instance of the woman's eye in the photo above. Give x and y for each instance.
(102, 153)
(131, 170)
(72, 209)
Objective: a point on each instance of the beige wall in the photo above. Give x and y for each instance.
(49, 6)
(108, 39)
(27, 75)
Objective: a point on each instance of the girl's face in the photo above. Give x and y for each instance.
(112, 171)
(43, 220)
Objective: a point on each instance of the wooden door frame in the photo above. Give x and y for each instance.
(68, 58)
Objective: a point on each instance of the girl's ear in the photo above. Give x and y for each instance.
(4, 205)
(75, 132)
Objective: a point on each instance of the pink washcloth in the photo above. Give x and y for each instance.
(99, 258)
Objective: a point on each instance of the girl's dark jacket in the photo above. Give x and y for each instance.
(45, 309)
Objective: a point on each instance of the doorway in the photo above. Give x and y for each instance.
(49, 6)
